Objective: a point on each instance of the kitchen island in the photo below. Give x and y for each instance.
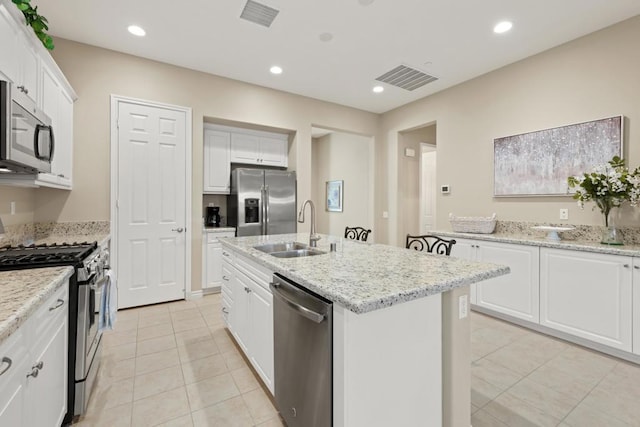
(401, 337)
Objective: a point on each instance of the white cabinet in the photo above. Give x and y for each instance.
(258, 149)
(58, 105)
(9, 62)
(636, 305)
(34, 367)
(212, 262)
(217, 152)
(28, 68)
(587, 295)
(515, 294)
(251, 317)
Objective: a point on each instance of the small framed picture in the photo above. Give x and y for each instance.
(334, 196)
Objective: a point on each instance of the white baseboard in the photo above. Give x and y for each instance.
(195, 294)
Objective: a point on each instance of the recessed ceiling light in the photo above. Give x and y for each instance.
(326, 37)
(502, 27)
(275, 70)
(378, 89)
(136, 31)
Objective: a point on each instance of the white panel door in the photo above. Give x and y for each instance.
(587, 295)
(240, 312)
(151, 204)
(428, 191)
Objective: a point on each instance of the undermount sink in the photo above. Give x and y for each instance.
(281, 247)
(297, 253)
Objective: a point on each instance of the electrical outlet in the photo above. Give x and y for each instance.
(463, 306)
(13, 208)
(564, 213)
(385, 214)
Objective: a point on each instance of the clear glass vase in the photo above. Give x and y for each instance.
(611, 235)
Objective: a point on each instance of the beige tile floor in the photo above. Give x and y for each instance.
(175, 365)
(521, 378)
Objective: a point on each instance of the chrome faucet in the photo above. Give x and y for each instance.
(313, 236)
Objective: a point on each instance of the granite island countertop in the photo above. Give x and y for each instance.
(23, 291)
(364, 277)
(541, 241)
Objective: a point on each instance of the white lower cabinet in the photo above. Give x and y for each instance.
(587, 295)
(212, 259)
(33, 368)
(515, 294)
(636, 305)
(251, 315)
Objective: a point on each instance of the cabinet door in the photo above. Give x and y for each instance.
(214, 264)
(217, 151)
(587, 295)
(29, 67)
(244, 148)
(240, 313)
(62, 164)
(517, 293)
(13, 370)
(273, 152)
(9, 63)
(261, 324)
(636, 305)
(48, 391)
(466, 249)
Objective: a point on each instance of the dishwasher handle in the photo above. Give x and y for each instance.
(304, 311)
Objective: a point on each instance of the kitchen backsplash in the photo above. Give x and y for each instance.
(585, 233)
(27, 233)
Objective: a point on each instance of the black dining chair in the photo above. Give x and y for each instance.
(356, 233)
(430, 243)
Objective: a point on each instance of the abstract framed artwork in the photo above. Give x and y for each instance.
(334, 196)
(539, 163)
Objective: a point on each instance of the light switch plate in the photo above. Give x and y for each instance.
(564, 213)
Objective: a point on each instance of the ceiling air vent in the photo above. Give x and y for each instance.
(259, 13)
(406, 78)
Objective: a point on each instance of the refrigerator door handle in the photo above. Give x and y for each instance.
(263, 221)
(266, 209)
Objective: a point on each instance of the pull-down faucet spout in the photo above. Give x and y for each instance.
(313, 236)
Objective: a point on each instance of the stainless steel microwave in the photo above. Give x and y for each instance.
(26, 135)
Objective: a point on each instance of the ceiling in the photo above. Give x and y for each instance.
(452, 40)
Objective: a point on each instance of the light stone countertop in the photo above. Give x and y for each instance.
(365, 277)
(23, 291)
(576, 245)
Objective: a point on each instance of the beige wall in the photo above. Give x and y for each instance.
(97, 73)
(346, 157)
(593, 77)
(25, 205)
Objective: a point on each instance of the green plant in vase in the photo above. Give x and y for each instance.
(608, 186)
(36, 21)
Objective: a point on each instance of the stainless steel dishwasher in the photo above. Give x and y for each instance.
(303, 354)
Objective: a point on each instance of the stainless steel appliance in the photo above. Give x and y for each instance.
(262, 202)
(26, 135)
(91, 264)
(303, 354)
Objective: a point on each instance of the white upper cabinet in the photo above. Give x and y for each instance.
(259, 149)
(217, 172)
(32, 70)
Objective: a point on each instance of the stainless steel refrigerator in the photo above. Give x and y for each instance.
(262, 202)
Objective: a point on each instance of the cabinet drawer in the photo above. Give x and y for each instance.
(49, 314)
(212, 237)
(228, 256)
(12, 351)
(226, 311)
(256, 272)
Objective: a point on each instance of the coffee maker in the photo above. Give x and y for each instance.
(213, 216)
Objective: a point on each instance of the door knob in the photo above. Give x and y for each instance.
(179, 229)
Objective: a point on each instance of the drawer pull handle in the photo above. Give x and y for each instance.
(225, 253)
(247, 290)
(33, 373)
(626, 265)
(8, 362)
(224, 310)
(60, 304)
(225, 278)
(38, 365)
(636, 267)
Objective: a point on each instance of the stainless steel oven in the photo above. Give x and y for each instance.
(26, 136)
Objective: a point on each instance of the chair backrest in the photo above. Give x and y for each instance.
(430, 243)
(356, 233)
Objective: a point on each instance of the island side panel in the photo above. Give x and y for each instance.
(388, 365)
(456, 360)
